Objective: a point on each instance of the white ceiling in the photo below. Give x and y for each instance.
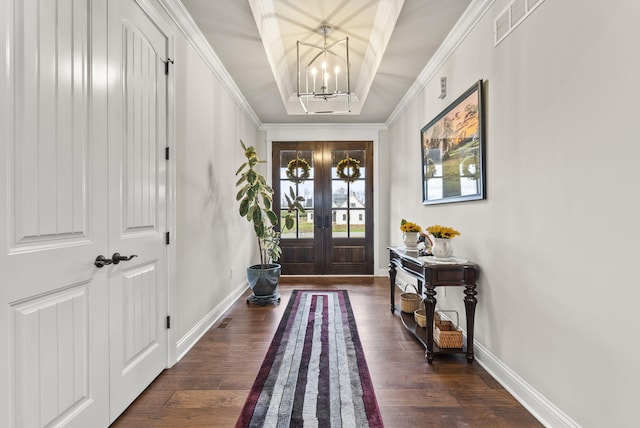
(390, 41)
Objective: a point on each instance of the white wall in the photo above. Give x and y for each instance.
(214, 244)
(558, 234)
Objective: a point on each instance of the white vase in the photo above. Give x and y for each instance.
(410, 240)
(442, 248)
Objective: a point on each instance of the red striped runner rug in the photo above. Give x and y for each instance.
(314, 373)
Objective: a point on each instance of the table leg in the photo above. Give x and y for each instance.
(470, 302)
(430, 309)
(392, 285)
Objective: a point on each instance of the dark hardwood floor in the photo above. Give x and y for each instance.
(208, 387)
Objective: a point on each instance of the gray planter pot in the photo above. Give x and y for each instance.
(264, 284)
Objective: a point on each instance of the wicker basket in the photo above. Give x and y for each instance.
(409, 302)
(445, 334)
(420, 315)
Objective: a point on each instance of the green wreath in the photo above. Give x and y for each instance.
(355, 169)
(300, 164)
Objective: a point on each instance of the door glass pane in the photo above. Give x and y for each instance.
(348, 167)
(357, 224)
(297, 175)
(357, 192)
(303, 225)
(339, 223)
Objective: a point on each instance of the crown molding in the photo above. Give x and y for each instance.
(265, 16)
(191, 31)
(456, 36)
(381, 32)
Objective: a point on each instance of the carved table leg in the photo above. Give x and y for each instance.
(470, 302)
(430, 309)
(392, 285)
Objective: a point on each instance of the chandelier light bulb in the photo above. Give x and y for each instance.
(313, 73)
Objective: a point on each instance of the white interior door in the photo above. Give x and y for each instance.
(53, 216)
(137, 200)
(82, 137)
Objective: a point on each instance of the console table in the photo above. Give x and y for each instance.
(431, 274)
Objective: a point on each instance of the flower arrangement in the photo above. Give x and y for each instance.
(442, 231)
(409, 226)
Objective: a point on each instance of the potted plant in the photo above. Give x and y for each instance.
(256, 200)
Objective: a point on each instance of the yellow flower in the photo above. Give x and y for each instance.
(442, 231)
(409, 226)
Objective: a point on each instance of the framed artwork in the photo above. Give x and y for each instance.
(453, 151)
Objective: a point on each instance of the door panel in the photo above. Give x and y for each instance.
(299, 245)
(351, 242)
(137, 205)
(53, 216)
(334, 236)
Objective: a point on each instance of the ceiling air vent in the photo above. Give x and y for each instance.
(512, 16)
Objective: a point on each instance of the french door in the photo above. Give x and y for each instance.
(335, 234)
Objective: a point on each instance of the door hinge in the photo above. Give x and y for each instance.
(166, 65)
(168, 322)
(166, 153)
(167, 239)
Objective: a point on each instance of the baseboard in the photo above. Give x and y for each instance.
(539, 406)
(198, 330)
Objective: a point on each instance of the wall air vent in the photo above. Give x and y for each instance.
(511, 17)
(518, 11)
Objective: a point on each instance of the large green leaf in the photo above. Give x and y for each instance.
(289, 222)
(241, 168)
(257, 216)
(244, 207)
(252, 176)
(259, 229)
(273, 218)
(241, 192)
(251, 193)
(267, 201)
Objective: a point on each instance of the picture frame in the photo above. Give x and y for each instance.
(453, 151)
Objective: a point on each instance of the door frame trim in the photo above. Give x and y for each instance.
(172, 276)
(375, 132)
(155, 13)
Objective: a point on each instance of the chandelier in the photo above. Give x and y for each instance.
(323, 75)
